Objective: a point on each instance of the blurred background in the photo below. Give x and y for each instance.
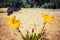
(51, 4)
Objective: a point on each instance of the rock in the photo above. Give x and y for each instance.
(31, 18)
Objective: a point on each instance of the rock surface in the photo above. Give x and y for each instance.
(30, 19)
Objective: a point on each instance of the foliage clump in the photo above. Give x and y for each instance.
(40, 36)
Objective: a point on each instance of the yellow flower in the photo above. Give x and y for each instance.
(13, 22)
(47, 18)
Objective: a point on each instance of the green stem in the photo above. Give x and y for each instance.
(43, 28)
(20, 32)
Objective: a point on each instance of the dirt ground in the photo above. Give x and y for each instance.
(30, 19)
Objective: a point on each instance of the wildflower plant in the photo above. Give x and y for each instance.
(16, 23)
(46, 19)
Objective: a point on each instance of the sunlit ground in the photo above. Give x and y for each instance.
(30, 19)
